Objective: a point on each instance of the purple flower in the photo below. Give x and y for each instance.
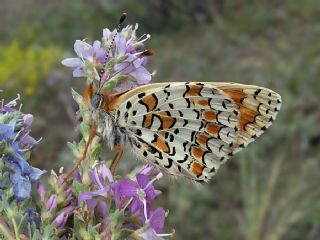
(51, 203)
(140, 191)
(154, 226)
(62, 218)
(22, 180)
(98, 180)
(129, 62)
(15, 141)
(85, 52)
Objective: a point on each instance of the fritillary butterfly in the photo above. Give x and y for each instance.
(187, 129)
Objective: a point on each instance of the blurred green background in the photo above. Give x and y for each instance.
(269, 191)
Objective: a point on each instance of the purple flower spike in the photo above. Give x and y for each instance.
(98, 180)
(16, 144)
(51, 203)
(127, 52)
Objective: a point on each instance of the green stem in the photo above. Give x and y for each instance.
(15, 227)
(6, 231)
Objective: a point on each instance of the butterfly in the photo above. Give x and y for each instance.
(187, 129)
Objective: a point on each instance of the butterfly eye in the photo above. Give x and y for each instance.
(96, 100)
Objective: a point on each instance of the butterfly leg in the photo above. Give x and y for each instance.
(117, 159)
(91, 136)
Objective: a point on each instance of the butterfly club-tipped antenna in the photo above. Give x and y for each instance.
(96, 101)
(102, 71)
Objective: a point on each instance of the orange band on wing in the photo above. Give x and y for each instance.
(197, 169)
(203, 102)
(247, 115)
(197, 152)
(212, 129)
(162, 145)
(147, 120)
(202, 139)
(209, 115)
(193, 91)
(150, 102)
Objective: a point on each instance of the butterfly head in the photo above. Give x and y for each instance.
(96, 100)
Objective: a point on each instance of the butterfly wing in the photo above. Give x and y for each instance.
(190, 129)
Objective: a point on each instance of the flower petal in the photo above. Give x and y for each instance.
(150, 193)
(81, 48)
(157, 220)
(128, 188)
(146, 170)
(142, 180)
(7, 131)
(102, 209)
(41, 190)
(135, 205)
(21, 189)
(77, 176)
(36, 173)
(78, 72)
(142, 75)
(105, 173)
(148, 234)
(72, 62)
(51, 203)
(125, 86)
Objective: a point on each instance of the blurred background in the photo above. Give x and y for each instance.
(269, 191)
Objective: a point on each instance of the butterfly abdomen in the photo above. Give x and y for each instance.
(113, 132)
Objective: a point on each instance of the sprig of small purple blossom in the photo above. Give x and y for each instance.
(125, 64)
(93, 203)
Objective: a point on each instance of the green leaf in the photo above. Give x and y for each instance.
(110, 65)
(23, 222)
(95, 151)
(122, 234)
(113, 82)
(91, 71)
(48, 232)
(78, 188)
(76, 96)
(73, 148)
(93, 233)
(85, 130)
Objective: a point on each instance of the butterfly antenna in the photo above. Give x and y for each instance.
(91, 136)
(102, 71)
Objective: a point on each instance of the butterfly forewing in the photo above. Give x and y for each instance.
(190, 129)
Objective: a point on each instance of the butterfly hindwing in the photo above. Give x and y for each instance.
(190, 129)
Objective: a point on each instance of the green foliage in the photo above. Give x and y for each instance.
(24, 69)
